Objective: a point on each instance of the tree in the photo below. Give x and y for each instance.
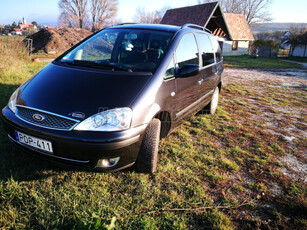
(34, 23)
(141, 15)
(14, 25)
(93, 14)
(73, 13)
(102, 11)
(254, 11)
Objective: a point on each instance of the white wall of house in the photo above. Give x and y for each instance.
(242, 48)
(16, 33)
(300, 51)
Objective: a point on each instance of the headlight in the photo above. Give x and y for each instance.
(12, 101)
(110, 120)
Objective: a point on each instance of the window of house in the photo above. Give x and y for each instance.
(235, 45)
(187, 51)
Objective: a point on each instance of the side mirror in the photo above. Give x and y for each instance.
(189, 70)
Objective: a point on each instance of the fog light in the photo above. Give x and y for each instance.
(107, 163)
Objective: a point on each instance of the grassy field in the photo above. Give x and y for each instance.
(214, 172)
(259, 63)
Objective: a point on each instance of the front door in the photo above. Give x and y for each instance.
(187, 88)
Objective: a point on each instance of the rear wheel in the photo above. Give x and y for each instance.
(211, 107)
(148, 154)
(214, 100)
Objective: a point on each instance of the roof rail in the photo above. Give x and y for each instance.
(196, 26)
(125, 23)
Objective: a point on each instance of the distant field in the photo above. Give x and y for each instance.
(227, 171)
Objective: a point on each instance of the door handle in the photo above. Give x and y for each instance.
(200, 81)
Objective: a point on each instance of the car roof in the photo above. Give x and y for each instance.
(163, 27)
(159, 27)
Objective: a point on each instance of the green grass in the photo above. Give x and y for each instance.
(214, 172)
(298, 59)
(260, 63)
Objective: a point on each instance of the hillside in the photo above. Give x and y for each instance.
(264, 27)
(56, 41)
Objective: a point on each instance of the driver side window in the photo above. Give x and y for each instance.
(187, 51)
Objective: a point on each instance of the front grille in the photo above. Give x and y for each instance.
(51, 121)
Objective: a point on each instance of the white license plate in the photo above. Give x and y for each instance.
(34, 142)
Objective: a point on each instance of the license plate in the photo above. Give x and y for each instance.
(34, 142)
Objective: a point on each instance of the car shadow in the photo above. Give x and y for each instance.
(21, 166)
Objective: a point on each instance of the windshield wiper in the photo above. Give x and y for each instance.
(113, 66)
(97, 64)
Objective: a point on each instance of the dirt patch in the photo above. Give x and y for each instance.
(295, 168)
(272, 104)
(246, 75)
(277, 113)
(56, 41)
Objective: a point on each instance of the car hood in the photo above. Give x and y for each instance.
(66, 90)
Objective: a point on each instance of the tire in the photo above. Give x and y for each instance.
(148, 155)
(211, 107)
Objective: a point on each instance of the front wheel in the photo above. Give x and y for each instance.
(148, 155)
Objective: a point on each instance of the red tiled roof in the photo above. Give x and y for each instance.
(238, 27)
(199, 15)
(24, 26)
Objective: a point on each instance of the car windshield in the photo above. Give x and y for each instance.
(133, 50)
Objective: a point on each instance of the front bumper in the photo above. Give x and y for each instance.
(81, 149)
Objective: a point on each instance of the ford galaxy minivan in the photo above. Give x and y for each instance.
(105, 103)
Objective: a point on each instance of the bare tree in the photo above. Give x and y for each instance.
(102, 12)
(73, 13)
(255, 11)
(141, 15)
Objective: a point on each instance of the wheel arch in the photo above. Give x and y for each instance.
(166, 122)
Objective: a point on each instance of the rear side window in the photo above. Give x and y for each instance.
(187, 51)
(206, 49)
(217, 48)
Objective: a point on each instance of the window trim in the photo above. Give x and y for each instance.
(173, 77)
(200, 56)
(175, 50)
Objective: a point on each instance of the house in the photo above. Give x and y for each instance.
(17, 31)
(299, 51)
(50, 27)
(26, 26)
(299, 48)
(231, 30)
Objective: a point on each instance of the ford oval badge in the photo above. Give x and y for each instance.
(38, 117)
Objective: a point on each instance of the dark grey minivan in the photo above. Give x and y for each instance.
(104, 104)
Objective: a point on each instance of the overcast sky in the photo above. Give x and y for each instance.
(46, 12)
